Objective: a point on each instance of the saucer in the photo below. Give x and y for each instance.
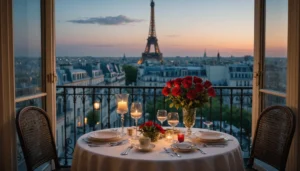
(183, 147)
(151, 146)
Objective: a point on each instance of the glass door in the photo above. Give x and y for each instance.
(274, 59)
(270, 65)
(32, 76)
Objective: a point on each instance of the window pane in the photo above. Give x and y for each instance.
(27, 46)
(270, 100)
(276, 45)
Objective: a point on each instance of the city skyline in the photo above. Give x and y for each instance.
(112, 28)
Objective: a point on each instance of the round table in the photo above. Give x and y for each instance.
(105, 158)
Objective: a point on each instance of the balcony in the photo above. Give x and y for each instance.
(230, 112)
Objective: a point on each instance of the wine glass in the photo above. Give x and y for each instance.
(208, 123)
(173, 119)
(161, 116)
(136, 111)
(122, 107)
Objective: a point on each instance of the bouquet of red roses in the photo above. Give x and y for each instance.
(151, 130)
(151, 127)
(188, 92)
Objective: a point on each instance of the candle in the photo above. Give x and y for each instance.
(180, 137)
(122, 106)
(96, 105)
(136, 114)
(169, 135)
(85, 121)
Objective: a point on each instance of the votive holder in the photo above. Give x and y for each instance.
(180, 137)
(169, 135)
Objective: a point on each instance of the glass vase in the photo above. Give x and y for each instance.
(189, 117)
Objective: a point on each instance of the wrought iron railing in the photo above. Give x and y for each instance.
(230, 112)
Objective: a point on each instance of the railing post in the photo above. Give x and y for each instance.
(154, 104)
(144, 101)
(241, 114)
(231, 101)
(65, 122)
(93, 101)
(108, 107)
(221, 105)
(83, 103)
(74, 126)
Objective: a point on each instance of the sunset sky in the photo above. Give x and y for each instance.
(183, 27)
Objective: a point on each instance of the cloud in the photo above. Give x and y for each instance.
(172, 35)
(109, 20)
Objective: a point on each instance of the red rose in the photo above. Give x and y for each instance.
(141, 126)
(199, 87)
(187, 83)
(192, 94)
(161, 130)
(176, 91)
(211, 92)
(197, 80)
(207, 84)
(169, 84)
(165, 91)
(149, 123)
(177, 82)
(188, 78)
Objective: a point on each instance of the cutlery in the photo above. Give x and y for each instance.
(127, 150)
(200, 150)
(168, 152)
(112, 144)
(176, 154)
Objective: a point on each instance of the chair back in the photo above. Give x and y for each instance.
(273, 136)
(36, 137)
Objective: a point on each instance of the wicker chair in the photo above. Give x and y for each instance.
(273, 137)
(36, 138)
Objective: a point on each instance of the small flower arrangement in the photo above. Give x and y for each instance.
(151, 130)
(188, 92)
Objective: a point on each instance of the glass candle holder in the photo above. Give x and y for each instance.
(136, 111)
(180, 137)
(169, 135)
(122, 107)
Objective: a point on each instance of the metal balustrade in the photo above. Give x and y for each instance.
(230, 112)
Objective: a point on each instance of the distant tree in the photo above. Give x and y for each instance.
(93, 117)
(131, 73)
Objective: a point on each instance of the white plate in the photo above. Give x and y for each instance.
(209, 136)
(104, 136)
(184, 146)
(151, 146)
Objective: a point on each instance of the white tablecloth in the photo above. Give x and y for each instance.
(106, 158)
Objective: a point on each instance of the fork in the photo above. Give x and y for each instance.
(200, 150)
(127, 150)
(171, 154)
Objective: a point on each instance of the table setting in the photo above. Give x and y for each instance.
(150, 146)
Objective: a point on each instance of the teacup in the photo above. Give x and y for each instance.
(144, 142)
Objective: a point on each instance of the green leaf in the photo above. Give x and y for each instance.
(171, 105)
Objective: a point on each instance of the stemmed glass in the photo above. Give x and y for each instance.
(136, 111)
(161, 116)
(122, 107)
(208, 123)
(173, 119)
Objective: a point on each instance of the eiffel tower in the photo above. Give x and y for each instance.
(152, 40)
